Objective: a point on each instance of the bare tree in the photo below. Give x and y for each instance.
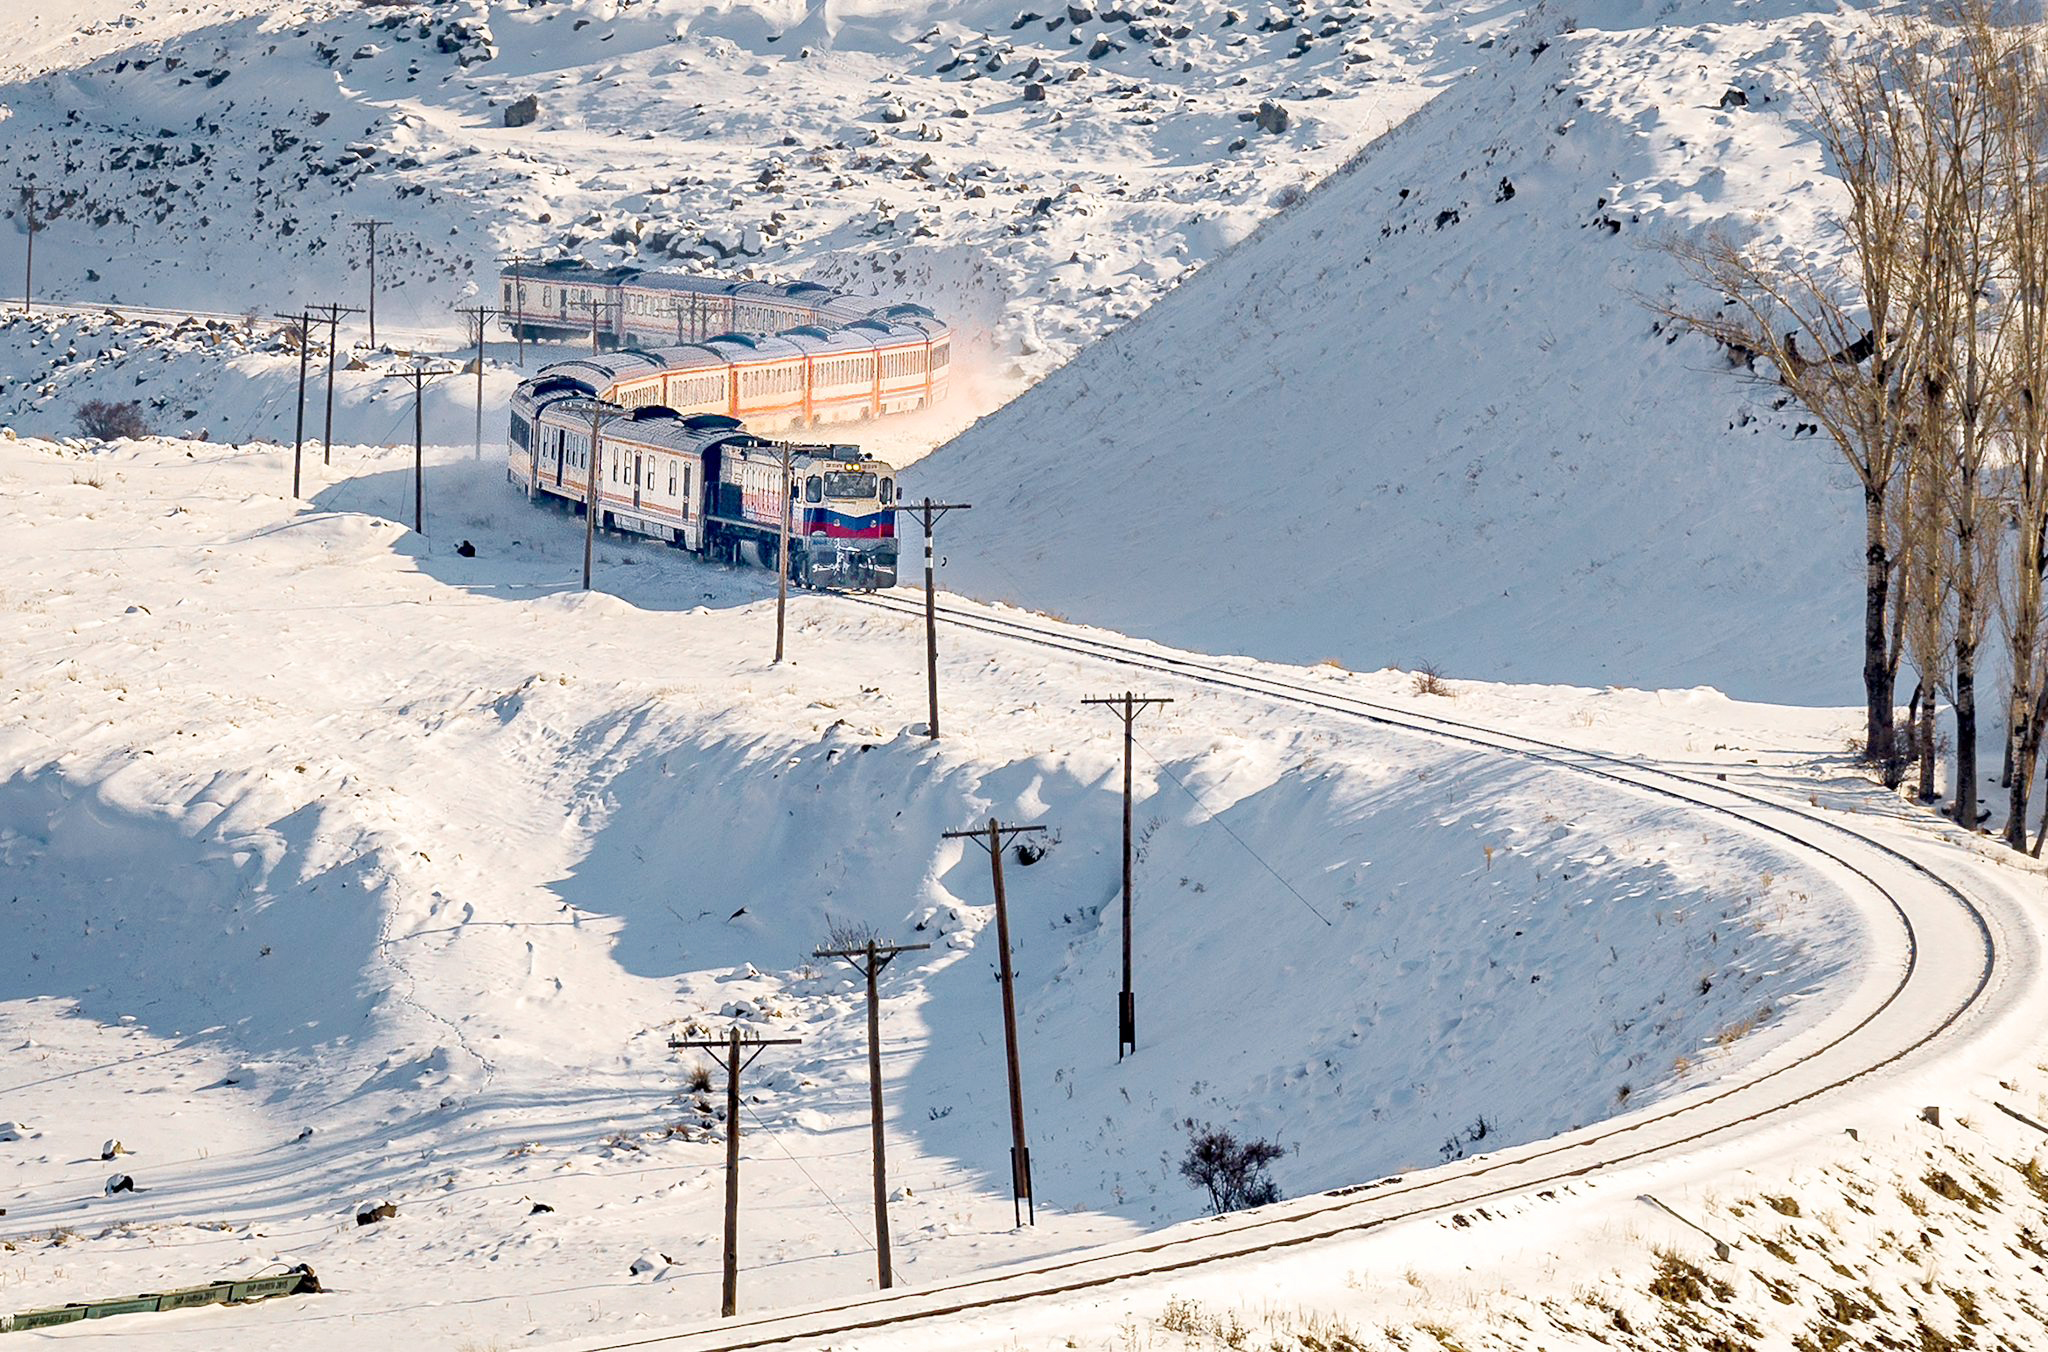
(2020, 163)
(1841, 341)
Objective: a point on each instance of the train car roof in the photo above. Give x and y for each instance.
(750, 347)
(814, 340)
(568, 270)
(606, 367)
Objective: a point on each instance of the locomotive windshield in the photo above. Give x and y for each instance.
(850, 484)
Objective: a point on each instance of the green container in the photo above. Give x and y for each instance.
(133, 1305)
(283, 1284)
(187, 1297)
(45, 1319)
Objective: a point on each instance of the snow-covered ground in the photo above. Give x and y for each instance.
(340, 867)
(313, 823)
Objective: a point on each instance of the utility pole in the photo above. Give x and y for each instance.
(995, 838)
(1127, 707)
(479, 315)
(29, 193)
(928, 514)
(732, 1065)
(419, 375)
(372, 226)
(596, 307)
(598, 415)
(869, 960)
(782, 556)
(305, 323)
(332, 313)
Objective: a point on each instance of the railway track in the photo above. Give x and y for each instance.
(1924, 992)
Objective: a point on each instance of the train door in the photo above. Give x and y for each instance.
(638, 471)
(561, 445)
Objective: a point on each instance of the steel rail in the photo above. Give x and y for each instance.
(1201, 1248)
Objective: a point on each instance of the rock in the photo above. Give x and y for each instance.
(540, 1209)
(1080, 14)
(1735, 98)
(13, 1131)
(523, 112)
(464, 550)
(1033, 93)
(894, 113)
(372, 1212)
(120, 1183)
(1272, 117)
(643, 1265)
(111, 1149)
(1103, 47)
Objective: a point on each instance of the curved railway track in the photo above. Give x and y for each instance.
(1930, 991)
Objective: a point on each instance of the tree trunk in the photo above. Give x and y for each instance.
(1927, 790)
(1877, 673)
(1966, 738)
(2033, 722)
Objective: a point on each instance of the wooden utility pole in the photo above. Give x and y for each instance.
(419, 375)
(596, 307)
(305, 323)
(599, 414)
(29, 193)
(518, 261)
(479, 315)
(928, 514)
(730, 1044)
(1127, 707)
(995, 838)
(869, 960)
(782, 556)
(372, 226)
(332, 314)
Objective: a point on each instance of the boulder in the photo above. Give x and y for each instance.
(523, 112)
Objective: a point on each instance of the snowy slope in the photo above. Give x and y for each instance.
(311, 823)
(1428, 415)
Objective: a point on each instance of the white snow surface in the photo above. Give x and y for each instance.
(312, 823)
(1431, 413)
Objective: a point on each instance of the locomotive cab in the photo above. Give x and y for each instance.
(847, 521)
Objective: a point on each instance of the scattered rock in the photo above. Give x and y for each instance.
(540, 1209)
(1272, 117)
(894, 113)
(1735, 98)
(376, 1211)
(523, 112)
(468, 551)
(120, 1183)
(113, 1148)
(1034, 93)
(13, 1131)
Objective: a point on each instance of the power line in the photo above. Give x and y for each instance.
(1232, 834)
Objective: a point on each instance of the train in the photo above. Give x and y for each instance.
(704, 483)
(772, 354)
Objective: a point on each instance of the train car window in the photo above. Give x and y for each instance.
(888, 491)
(671, 478)
(814, 489)
(850, 484)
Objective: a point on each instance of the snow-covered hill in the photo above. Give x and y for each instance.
(1430, 415)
